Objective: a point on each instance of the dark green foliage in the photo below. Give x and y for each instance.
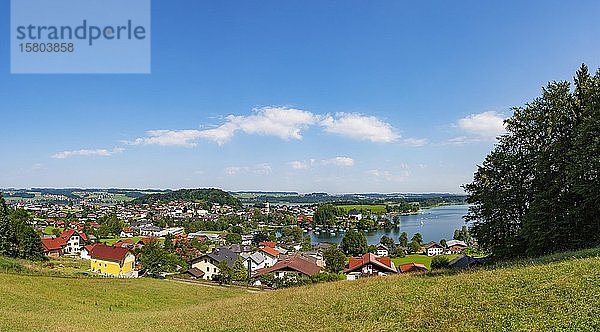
(3, 207)
(354, 243)
(403, 239)
(462, 234)
(206, 196)
(402, 207)
(169, 246)
(233, 238)
(17, 238)
(225, 275)
(294, 280)
(239, 273)
(537, 191)
(334, 259)
(440, 262)
(414, 247)
(393, 250)
(326, 214)
(418, 238)
(110, 225)
(293, 234)
(155, 259)
(387, 241)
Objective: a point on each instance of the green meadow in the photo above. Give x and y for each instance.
(375, 208)
(555, 293)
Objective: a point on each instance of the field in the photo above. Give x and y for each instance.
(49, 230)
(378, 208)
(421, 259)
(558, 293)
(112, 240)
(63, 267)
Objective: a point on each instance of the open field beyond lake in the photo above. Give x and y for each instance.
(555, 295)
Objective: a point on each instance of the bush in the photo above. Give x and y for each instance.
(440, 262)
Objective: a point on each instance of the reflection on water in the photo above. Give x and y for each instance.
(434, 224)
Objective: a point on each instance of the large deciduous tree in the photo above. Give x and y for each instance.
(17, 237)
(354, 243)
(334, 259)
(537, 191)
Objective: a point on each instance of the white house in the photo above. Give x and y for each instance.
(73, 242)
(85, 252)
(150, 230)
(354, 215)
(256, 260)
(172, 231)
(434, 249)
(382, 250)
(271, 256)
(209, 263)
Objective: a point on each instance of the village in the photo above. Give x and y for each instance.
(261, 245)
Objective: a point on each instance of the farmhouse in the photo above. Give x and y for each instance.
(70, 242)
(52, 247)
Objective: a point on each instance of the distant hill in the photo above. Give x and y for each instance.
(555, 293)
(208, 196)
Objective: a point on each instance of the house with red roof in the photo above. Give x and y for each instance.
(412, 267)
(271, 255)
(53, 247)
(264, 244)
(70, 243)
(296, 266)
(369, 265)
(73, 241)
(112, 261)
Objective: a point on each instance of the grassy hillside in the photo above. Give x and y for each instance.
(557, 293)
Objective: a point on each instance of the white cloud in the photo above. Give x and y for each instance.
(336, 161)
(219, 135)
(414, 141)
(168, 138)
(298, 164)
(361, 127)
(285, 123)
(389, 176)
(234, 170)
(486, 125)
(282, 122)
(87, 152)
(339, 161)
(262, 169)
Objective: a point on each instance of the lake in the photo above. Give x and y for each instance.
(438, 223)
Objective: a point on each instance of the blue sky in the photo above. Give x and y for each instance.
(347, 96)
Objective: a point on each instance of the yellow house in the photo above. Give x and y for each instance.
(112, 261)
